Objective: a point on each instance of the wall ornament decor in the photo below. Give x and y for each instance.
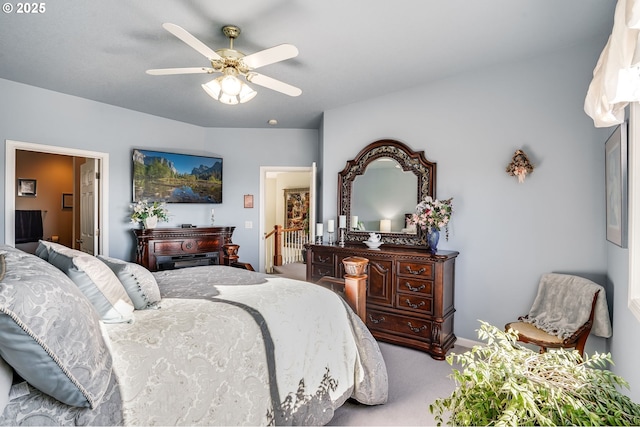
(520, 166)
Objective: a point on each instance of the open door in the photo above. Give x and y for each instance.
(312, 203)
(88, 241)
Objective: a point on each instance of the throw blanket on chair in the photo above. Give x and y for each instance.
(563, 305)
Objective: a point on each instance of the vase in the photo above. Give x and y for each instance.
(150, 222)
(432, 240)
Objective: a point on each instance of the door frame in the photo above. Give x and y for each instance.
(264, 170)
(10, 187)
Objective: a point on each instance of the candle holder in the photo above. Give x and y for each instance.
(343, 232)
(330, 238)
(318, 240)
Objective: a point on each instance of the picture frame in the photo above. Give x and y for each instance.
(616, 175)
(248, 200)
(27, 187)
(67, 201)
(166, 177)
(296, 208)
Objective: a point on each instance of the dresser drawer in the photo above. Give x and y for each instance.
(318, 271)
(414, 286)
(322, 259)
(415, 269)
(186, 246)
(414, 303)
(404, 325)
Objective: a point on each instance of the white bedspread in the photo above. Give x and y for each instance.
(282, 352)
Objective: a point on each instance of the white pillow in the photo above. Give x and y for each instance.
(140, 284)
(96, 281)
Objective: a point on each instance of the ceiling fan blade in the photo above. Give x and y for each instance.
(186, 37)
(170, 71)
(273, 84)
(271, 55)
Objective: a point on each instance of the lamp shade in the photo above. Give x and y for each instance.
(230, 85)
(239, 92)
(212, 88)
(246, 93)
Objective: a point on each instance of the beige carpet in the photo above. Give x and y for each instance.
(296, 270)
(415, 381)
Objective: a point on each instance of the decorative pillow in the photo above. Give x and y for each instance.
(6, 379)
(97, 282)
(50, 332)
(44, 247)
(137, 281)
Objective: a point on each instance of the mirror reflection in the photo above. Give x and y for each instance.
(382, 198)
(380, 187)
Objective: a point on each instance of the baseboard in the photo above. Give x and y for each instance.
(464, 342)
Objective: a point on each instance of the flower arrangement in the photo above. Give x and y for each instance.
(433, 214)
(143, 210)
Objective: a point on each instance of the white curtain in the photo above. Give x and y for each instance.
(616, 77)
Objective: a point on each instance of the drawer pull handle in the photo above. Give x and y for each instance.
(410, 304)
(416, 272)
(416, 330)
(411, 288)
(380, 320)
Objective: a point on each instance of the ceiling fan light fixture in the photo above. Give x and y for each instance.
(246, 93)
(215, 89)
(228, 99)
(212, 88)
(230, 84)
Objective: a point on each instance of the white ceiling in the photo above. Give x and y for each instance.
(350, 50)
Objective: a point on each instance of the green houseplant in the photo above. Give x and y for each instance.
(505, 383)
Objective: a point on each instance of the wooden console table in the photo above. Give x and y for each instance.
(170, 248)
(410, 293)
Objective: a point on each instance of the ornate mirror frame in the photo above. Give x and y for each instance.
(410, 161)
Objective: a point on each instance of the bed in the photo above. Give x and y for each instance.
(99, 341)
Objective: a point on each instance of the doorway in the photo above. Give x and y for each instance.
(102, 163)
(273, 181)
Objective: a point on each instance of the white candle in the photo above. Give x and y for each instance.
(330, 226)
(385, 225)
(342, 223)
(354, 221)
(319, 229)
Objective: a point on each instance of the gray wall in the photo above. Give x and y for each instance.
(35, 115)
(507, 233)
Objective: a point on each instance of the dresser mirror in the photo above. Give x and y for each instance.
(382, 186)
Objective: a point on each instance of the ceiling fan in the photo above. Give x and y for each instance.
(229, 88)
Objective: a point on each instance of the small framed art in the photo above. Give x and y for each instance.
(27, 187)
(67, 201)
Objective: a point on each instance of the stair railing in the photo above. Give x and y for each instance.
(284, 246)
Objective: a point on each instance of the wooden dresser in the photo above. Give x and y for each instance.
(170, 248)
(410, 294)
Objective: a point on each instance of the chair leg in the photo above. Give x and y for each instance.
(581, 343)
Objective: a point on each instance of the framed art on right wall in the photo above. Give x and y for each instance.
(616, 186)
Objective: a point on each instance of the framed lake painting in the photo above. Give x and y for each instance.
(160, 176)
